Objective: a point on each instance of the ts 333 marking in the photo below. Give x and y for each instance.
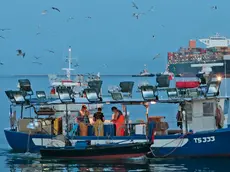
(204, 139)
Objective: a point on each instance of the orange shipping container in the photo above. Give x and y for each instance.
(192, 44)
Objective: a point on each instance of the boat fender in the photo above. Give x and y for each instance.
(219, 117)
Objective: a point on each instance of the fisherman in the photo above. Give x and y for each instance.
(99, 119)
(83, 120)
(119, 120)
(179, 116)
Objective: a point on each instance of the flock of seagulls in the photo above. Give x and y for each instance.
(136, 15)
(44, 12)
(2, 30)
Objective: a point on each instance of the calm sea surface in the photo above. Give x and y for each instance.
(10, 161)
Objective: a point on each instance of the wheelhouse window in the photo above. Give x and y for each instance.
(208, 109)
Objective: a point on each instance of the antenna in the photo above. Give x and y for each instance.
(68, 73)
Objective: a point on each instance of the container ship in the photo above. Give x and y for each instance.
(215, 58)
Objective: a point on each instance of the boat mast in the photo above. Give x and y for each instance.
(68, 70)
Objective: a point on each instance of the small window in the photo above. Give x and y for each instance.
(208, 109)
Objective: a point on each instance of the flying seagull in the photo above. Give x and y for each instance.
(76, 65)
(134, 5)
(137, 15)
(70, 18)
(2, 37)
(4, 29)
(151, 9)
(20, 53)
(37, 63)
(104, 65)
(214, 7)
(50, 51)
(54, 8)
(36, 57)
(156, 56)
(44, 12)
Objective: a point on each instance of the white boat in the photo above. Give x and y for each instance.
(77, 85)
(144, 73)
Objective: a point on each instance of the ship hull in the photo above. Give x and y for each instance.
(185, 69)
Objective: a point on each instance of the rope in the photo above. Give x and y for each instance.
(174, 149)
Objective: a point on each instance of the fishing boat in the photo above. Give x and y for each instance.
(201, 118)
(82, 151)
(44, 129)
(144, 73)
(77, 85)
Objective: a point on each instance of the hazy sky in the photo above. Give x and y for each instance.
(113, 36)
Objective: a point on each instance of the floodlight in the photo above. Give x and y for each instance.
(117, 96)
(127, 86)
(96, 85)
(92, 95)
(10, 96)
(64, 94)
(41, 94)
(25, 86)
(16, 97)
(213, 88)
(172, 93)
(162, 80)
(148, 92)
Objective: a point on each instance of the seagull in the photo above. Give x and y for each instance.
(44, 12)
(134, 5)
(4, 29)
(70, 18)
(88, 17)
(1, 63)
(54, 8)
(214, 7)
(36, 57)
(137, 15)
(2, 37)
(156, 56)
(76, 65)
(104, 65)
(38, 33)
(151, 9)
(20, 53)
(153, 36)
(50, 51)
(37, 63)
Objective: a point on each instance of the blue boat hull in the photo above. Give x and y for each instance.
(23, 142)
(202, 144)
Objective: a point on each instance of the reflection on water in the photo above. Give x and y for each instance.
(32, 162)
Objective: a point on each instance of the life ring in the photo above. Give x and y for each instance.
(219, 117)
